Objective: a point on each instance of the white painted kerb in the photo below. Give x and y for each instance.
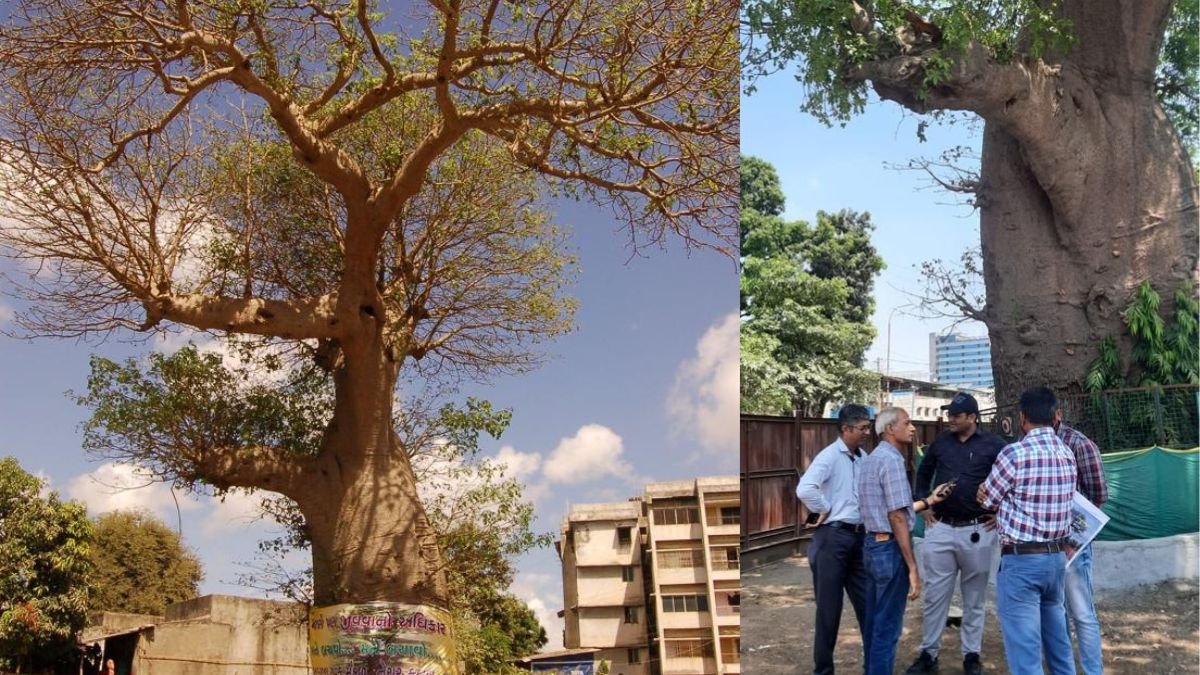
(1123, 564)
(1117, 565)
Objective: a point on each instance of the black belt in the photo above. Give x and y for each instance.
(1032, 547)
(857, 529)
(962, 522)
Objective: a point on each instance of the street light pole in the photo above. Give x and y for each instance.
(889, 335)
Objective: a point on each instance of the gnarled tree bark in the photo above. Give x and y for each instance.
(1087, 188)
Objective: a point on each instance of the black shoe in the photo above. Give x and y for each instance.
(924, 665)
(971, 665)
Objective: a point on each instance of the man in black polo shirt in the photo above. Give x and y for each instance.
(960, 536)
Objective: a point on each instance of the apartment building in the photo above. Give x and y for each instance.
(652, 583)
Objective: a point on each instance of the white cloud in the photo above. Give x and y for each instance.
(6, 313)
(703, 401)
(518, 465)
(238, 510)
(124, 487)
(593, 452)
(543, 594)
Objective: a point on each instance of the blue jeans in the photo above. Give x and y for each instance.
(1029, 600)
(1081, 611)
(887, 594)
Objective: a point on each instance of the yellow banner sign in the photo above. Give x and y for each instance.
(381, 638)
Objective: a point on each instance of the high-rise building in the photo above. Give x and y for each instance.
(958, 360)
(653, 583)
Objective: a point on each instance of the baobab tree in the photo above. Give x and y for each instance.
(1085, 187)
(360, 183)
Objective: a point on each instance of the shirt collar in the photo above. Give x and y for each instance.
(1041, 431)
(884, 444)
(842, 447)
(973, 435)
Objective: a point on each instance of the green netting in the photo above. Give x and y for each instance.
(1151, 493)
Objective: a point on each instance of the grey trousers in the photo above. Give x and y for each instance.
(947, 555)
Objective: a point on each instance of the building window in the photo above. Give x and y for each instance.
(725, 558)
(681, 559)
(631, 615)
(730, 649)
(681, 515)
(689, 649)
(731, 515)
(685, 603)
(624, 537)
(627, 573)
(634, 655)
(728, 603)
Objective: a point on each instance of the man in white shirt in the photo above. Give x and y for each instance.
(835, 552)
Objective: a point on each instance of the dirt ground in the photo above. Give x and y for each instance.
(1149, 630)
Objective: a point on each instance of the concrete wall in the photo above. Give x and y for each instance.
(1123, 564)
(1118, 565)
(606, 627)
(216, 634)
(619, 661)
(603, 586)
(596, 544)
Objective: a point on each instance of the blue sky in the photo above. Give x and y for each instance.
(644, 389)
(828, 169)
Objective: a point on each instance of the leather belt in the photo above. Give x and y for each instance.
(857, 529)
(1031, 547)
(962, 522)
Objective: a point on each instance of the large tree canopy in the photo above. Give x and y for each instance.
(1085, 188)
(44, 545)
(141, 565)
(806, 302)
(360, 183)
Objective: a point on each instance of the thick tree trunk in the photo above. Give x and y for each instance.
(371, 539)
(1076, 213)
(1086, 189)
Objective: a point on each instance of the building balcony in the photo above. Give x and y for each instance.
(728, 615)
(689, 666)
(731, 573)
(688, 531)
(679, 575)
(684, 620)
(717, 529)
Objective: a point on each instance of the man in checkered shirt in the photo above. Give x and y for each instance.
(1081, 606)
(1031, 487)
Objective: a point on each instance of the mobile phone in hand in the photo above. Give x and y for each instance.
(948, 488)
(812, 518)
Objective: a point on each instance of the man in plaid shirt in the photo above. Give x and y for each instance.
(1081, 607)
(1031, 487)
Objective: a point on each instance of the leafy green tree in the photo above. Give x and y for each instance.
(44, 546)
(382, 219)
(141, 565)
(1085, 186)
(500, 629)
(805, 302)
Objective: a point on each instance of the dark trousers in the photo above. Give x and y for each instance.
(835, 556)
